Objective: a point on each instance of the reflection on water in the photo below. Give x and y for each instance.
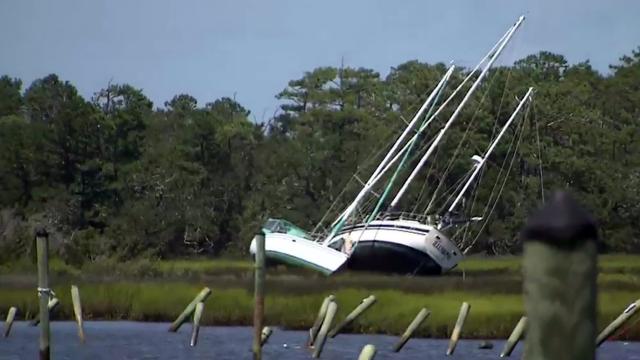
(133, 340)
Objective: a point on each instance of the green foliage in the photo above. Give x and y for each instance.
(115, 178)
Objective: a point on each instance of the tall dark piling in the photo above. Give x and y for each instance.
(42, 250)
(258, 310)
(560, 269)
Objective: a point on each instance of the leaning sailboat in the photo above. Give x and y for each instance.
(383, 240)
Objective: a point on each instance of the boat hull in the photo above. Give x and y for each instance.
(297, 251)
(398, 246)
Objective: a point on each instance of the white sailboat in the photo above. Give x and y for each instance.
(403, 243)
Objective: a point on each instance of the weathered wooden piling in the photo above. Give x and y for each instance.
(51, 305)
(258, 310)
(616, 324)
(423, 314)
(11, 315)
(195, 330)
(201, 297)
(515, 336)
(77, 310)
(265, 335)
(560, 269)
(368, 352)
(359, 310)
(324, 329)
(457, 330)
(313, 332)
(44, 292)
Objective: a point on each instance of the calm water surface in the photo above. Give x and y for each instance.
(135, 340)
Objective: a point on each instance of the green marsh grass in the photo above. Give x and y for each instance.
(159, 290)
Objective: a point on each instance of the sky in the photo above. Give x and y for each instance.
(250, 49)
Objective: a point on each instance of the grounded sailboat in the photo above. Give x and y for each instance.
(390, 241)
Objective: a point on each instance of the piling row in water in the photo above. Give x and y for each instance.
(313, 332)
(77, 310)
(195, 330)
(265, 335)
(457, 330)
(515, 336)
(421, 317)
(616, 324)
(368, 352)
(11, 315)
(52, 304)
(324, 329)
(359, 310)
(188, 311)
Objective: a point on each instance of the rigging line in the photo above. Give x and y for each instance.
(535, 117)
(459, 146)
(493, 134)
(430, 171)
(369, 160)
(504, 182)
(459, 184)
(509, 153)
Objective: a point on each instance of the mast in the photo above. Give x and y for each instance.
(382, 166)
(339, 222)
(481, 161)
(438, 90)
(457, 112)
(424, 125)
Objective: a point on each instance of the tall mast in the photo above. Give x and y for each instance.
(482, 160)
(438, 91)
(475, 85)
(339, 222)
(382, 166)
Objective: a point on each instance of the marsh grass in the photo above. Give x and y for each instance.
(159, 290)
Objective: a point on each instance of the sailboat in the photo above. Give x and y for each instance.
(389, 241)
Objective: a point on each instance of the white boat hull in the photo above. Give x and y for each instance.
(298, 251)
(399, 246)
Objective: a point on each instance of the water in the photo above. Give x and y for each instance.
(135, 340)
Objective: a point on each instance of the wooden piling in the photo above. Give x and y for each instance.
(324, 329)
(265, 335)
(11, 315)
(560, 268)
(51, 305)
(368, 352)
(195, 330)
(258, 310)
(423, 314)
(42, 250)
(359, 310)
(201, 297)
(313, 332)
(616, 324)
(77, 310)
(515, 336)
(457, 330)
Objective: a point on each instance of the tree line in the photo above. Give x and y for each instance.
(112, 176)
